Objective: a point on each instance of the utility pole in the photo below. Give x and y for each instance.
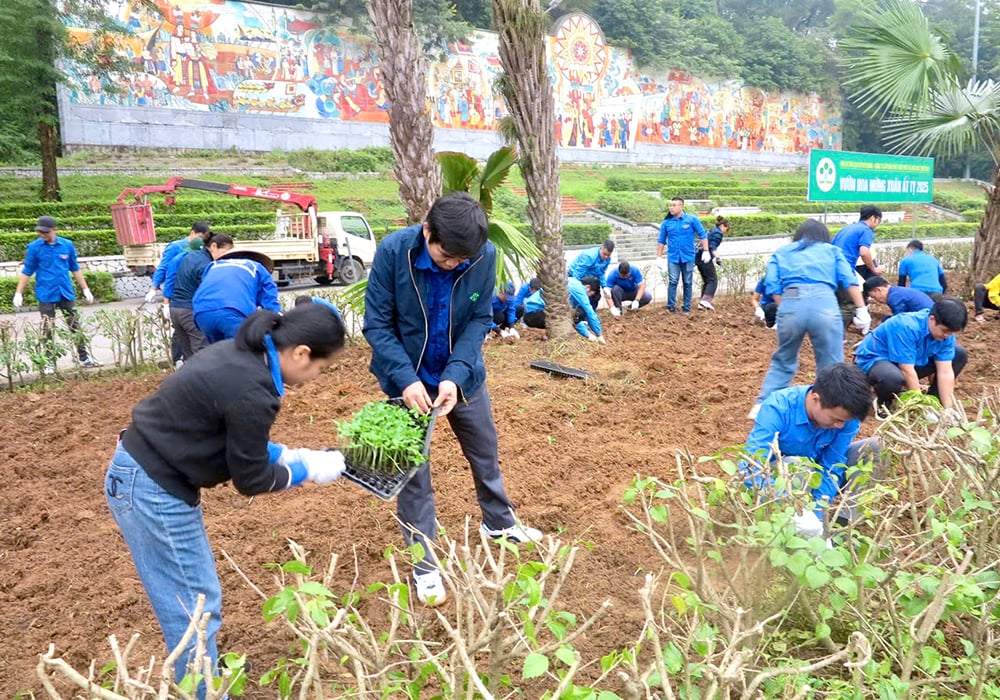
(975, 70)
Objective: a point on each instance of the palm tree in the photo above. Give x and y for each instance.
(522, 26)
(903, 73)
(411, 133)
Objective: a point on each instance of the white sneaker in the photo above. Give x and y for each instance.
(49, 369)
(706, 304)
(516, 533)
(615, 311)
(430, 588)
(752, 415)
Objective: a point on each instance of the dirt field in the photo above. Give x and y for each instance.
(568, 448)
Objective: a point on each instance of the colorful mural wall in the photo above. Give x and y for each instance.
(228, 56)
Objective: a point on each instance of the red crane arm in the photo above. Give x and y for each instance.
(302, 201)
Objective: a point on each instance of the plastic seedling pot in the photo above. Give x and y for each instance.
(386, 484)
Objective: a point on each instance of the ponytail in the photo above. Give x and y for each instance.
(314, 325)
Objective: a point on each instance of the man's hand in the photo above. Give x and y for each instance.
(634, 304)
(18, 300)
(88, 295)
(706, 257)
(592, 337)
(322, 466)
(416, 396)
(662, 264)
(165, 310)
(447, 397)
(862, 319)
(759, 313)
(150, 295)
(504, 333)
(808, 524)
(513, 334)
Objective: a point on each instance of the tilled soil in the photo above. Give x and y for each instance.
(568, 448)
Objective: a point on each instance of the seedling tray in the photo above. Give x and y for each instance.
(560, 370)
(383, 484)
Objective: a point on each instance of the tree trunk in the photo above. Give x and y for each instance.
(522, 26)
(50, 174)
(411, 132)
(986, 252)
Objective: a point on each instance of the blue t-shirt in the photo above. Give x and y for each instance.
(51, 264)
(589, 263)
(851, 238)
(628, 284)
(578, 300)
(905, 340)
(438, 302)
(765, 298)
(818, 263)
(535, 302)
(903, 300)
(678, 234)
(923, 270)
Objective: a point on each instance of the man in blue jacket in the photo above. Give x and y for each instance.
(900, 300)
(182, 283)
(427, 312)
(922, 270)
(233, 287)
(51, 259)
(677, 235)
(625, 288)
(590, 267)
(856, 241)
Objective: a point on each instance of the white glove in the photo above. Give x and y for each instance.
(808, 524)
(150, 295)
(504, 333)
(322, 466)
(615, 311)
(706, 257)
(862, 317)
(88, 295)
(591, 337)
(18, 300)
(634, 304)
(661, 264)
(601, 340)
(165, 310)
(513, 334)
(759, 313)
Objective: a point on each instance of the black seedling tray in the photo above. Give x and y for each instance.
(560, 370)
(387, 486)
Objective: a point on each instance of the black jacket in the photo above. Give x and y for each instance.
(209, 423)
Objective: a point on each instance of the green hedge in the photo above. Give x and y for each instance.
(364, 160)
(959, 202)
(944, 230)
(633, 206)
(168, 220)
(578, 234)
(102, 284)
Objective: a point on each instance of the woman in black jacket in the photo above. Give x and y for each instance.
(208, 424)
(709, 276)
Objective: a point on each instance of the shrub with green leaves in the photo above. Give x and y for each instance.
(384, 437)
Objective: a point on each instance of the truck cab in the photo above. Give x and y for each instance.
(353, 240)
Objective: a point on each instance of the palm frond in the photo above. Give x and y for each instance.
(458, 171)
(893, 61)
(517, 254)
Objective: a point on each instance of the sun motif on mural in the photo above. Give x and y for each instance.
(579, 49)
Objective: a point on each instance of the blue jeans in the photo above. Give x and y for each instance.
(805, 310)
(473, 425)
(674, 271)
(171, 552)
(219, 324)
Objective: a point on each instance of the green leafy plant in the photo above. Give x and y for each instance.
(384, 437)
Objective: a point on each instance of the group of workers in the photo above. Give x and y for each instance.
(429, 306)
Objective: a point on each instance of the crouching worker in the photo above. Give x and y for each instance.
(206, 425)
(625, 289)
(505, 312)
(818, 423)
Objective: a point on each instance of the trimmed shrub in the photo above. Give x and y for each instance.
(370, 159)
(578, 234)
(632, 206)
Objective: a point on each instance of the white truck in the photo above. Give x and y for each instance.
(328, 246)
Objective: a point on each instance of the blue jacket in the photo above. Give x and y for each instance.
(579, 301)
(852, 238)
(508, 308)
(818, 263)
(523, 293)
(534, 302)
(397, 322)
(902, 300)
(904, 339)
(173, 250)
(924, 271)
(236, 283)
(52, 262)
(589, 263)
(628, 284)
(714, 240)
(678, 234)
(180, 288)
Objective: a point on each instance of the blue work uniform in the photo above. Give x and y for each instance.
(852, 238)
(629, 285)
(231, 289)
(589, 263)
(51, 263)
(678, 234)
(901, 300)
(923, 271)
(173, 250)
(585, 317)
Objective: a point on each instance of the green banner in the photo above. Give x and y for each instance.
(844, 176)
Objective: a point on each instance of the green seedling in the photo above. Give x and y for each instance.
(384, 437)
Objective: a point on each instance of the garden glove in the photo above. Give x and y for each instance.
(862, 319)
(759, 313)
(615, 311)
(706, 257)
(322, 466)
(808, 524)
(513, 334)
(88, 295)
(18, 300)
(150, 295)
(634, 304)
(504, 333)
(952, 416)
(662, 264)
(165, 310)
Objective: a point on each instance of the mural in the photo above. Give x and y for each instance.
(229, 56)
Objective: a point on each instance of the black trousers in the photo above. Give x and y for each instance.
(981, 299)
(770, 314)
(68, 308)
(887, 379)
(709, 278)
(534, 319)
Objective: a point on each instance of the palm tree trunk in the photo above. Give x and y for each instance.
(48, 145)
(986, 252)
(411, 133)
(523, 27)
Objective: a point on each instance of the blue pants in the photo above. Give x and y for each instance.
(219, 324)
(473, 425)
(805, 310)
(171, 552)
(674, 271)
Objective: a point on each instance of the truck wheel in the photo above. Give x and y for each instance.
(351, 272)
(323, 280)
